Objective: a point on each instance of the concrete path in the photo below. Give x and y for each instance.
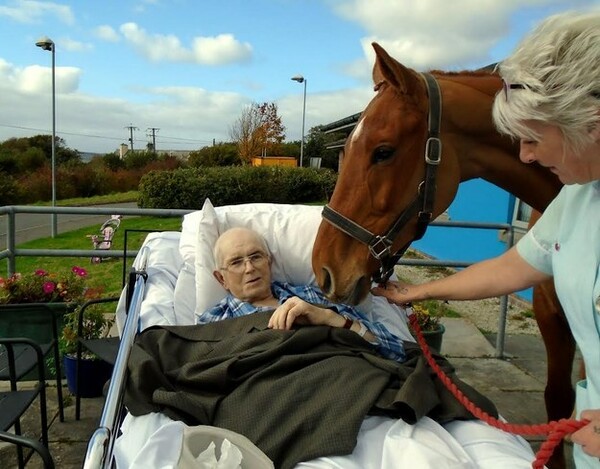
(515, 384)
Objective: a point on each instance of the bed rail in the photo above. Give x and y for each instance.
(100, 447)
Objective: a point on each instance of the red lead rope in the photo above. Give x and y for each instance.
(555, 430)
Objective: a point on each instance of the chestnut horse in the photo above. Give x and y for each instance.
(418, 138)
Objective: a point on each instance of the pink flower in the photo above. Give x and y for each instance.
(79, 271)
(48, 287)
(41, 272)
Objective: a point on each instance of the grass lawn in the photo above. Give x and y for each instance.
(107, 275)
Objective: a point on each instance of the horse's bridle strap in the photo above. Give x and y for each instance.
(348, 226)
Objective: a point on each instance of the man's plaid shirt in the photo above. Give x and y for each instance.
(388, 345)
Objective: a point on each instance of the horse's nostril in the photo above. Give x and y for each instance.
(326, 287)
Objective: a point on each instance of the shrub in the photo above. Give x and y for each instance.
(9, 190)
(188, 188)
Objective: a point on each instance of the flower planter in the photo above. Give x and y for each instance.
(94, 373)
(34, 321)
(434, 338)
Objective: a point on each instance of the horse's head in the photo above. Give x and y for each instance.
(382, 173)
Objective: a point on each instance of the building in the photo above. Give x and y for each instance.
(274, 161)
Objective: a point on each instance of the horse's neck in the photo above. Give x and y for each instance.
(469, 132)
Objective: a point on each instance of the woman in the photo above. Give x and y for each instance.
(551, 102)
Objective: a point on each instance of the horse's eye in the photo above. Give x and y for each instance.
(382, 154)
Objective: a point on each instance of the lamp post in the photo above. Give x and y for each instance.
(47, 44)
(301, 79)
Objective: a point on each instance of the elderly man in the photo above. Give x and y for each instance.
(244, 269)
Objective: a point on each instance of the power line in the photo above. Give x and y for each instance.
(104, 137)
(62, 133)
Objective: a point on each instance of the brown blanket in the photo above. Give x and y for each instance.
(297, 394)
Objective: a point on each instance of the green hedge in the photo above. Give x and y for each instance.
(188, 188)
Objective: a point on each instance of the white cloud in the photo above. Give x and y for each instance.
(32, 11)
(431, 33)
(35, 79)
(73, 46)
(155, 47)
(106, 33)
(141, 7)
(218, 50)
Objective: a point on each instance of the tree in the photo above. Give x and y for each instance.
(221, 154)
(244, 132)
(258, 131)
(63, 154)
(32, 147)
(273, 130)
(316, 147)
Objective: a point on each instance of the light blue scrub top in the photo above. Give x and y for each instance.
(565, 243)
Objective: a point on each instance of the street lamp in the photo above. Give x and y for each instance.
(301, 79)
(47, 44)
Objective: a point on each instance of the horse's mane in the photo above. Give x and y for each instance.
(483, 72)
(483, 80)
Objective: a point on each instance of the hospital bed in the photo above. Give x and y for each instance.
(171, 282)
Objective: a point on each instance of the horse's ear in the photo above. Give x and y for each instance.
(389, 69)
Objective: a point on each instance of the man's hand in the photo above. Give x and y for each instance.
(589, 436)
(297, 311)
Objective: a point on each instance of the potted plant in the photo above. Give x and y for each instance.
(429, 324)
(27, 299)
(95, 324)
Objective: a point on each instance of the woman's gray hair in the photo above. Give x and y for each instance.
(556, 70)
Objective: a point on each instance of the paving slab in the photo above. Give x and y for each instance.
(67, 440)
(463, 339)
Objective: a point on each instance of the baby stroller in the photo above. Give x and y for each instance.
(104, 242)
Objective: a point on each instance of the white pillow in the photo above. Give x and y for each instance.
(289, 231)
(184, 296)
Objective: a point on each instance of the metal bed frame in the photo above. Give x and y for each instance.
(100, 446)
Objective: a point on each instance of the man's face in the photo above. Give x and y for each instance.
(245, 269)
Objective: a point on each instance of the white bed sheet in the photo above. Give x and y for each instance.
(154, 440)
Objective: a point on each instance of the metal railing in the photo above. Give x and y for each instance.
(12, 252)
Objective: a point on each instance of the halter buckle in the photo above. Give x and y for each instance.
(379, 247)
(433, 151)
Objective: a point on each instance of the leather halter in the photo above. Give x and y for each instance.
(422, 205)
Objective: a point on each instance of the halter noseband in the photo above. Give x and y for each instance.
(380, 246)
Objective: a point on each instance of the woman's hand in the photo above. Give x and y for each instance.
(589, 436)
(297, 311)
(399, 293)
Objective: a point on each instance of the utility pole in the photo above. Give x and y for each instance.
(131, 128)
(153, 131)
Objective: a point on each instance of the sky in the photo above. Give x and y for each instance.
(187, 68)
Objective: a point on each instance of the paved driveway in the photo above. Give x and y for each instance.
(30, 226)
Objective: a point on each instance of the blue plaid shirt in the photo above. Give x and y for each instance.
(388, 344)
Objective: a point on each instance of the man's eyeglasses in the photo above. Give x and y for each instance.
(238, 265)
(506, 87)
